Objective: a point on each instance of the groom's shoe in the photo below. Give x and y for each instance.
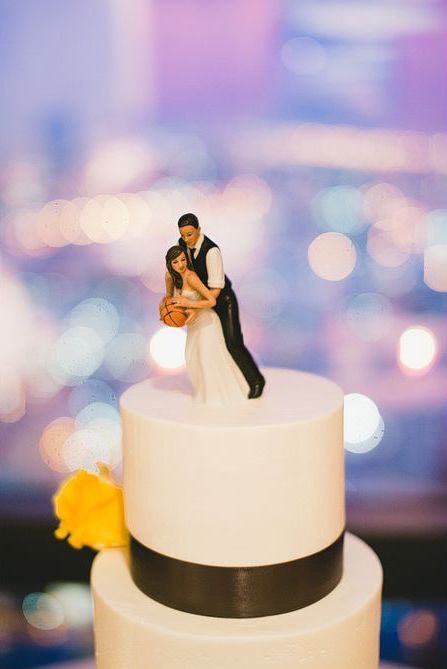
(256, 389)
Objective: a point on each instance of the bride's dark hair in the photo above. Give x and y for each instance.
(171, 255)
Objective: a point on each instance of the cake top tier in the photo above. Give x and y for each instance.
(290, 396)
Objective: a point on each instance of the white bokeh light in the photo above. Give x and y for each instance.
(92, 444)
(339, 208)
(43, 611)
(97, 411)
(98, 314)
(332, 256)
(51, 443)
(75, 599)
(418, 348)
(363, 424)
(78, 352)
(167, 348)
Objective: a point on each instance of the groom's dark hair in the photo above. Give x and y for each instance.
(188, 219)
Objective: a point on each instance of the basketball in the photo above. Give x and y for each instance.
(172, 315)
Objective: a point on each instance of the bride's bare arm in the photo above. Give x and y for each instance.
(208, 300)
(169, 285)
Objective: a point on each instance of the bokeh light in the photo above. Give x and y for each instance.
(98, 315)
(167, 348)
(369, 316)
(418, 347)
(98, 438)
(52, 441)
(92, 444)
(418, 628)
(381, 247)
(339, 208)
(104, 219)
(43, 610)
(435, 267)
(78, 352)
(70, 223)
(49, 222)
(76, 602)
(395, 281)
(377, 199)
(332, 256)
(97, 411)
(436, 223)
(363, 425)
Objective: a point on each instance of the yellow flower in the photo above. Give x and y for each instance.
(90, 509)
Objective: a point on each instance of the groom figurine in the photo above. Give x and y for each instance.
(206, 259)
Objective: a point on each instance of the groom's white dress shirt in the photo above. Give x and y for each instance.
(214, 264)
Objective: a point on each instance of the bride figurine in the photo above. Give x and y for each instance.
(215, 377)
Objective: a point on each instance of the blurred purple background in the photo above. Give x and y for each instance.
(311, 140)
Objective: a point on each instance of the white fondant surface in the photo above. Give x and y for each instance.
(341, 631)
(242, 486)
(289, 396)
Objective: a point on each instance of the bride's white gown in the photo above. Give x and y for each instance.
(215, 377)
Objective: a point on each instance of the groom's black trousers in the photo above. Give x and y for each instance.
(228, 311)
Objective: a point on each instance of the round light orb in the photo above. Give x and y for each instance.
(435, 267)
(332, 256)
(75, 599)
(51, 444)
(79, 352)
(377, 198)
(369, 316)
(167, 348)
(340, 209)
(89, 445)
(103, 419)
(95, 411)
(418, 628)
(363, 424)
(104, 219)
(418, 347)
(49, 222)
(42, 610)
(98, 314)
(381, 246)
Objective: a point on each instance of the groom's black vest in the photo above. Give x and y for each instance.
(199, 264)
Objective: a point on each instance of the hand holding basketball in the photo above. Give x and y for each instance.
(173, 315)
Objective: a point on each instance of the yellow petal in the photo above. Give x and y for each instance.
(90, 508)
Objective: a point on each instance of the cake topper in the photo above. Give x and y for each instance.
(200, 296)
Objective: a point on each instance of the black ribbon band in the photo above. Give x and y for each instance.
(236, 592)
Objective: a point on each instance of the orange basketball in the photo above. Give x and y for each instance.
(172, 314)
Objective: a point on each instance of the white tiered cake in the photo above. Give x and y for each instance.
(238, 556)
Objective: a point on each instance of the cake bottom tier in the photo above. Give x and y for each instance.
(341, 631)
